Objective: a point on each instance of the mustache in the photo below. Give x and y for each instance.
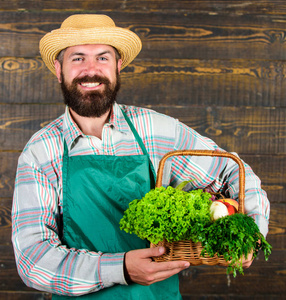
(95, 78)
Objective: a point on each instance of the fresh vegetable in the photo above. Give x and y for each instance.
(227, 208)
(228, 201)
(218, 210)
(230, 208)
(174, 215)
(168, 213)
(234, 237)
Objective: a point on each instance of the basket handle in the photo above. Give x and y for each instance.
(241, 193)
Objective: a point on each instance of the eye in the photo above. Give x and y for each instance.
(77, 59)
(102, 58)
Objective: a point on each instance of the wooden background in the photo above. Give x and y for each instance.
(218, 66)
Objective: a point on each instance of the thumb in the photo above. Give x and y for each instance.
(158, 251)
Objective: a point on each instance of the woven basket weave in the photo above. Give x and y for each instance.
(188, 250)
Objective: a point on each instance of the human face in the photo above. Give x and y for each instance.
(89, 77)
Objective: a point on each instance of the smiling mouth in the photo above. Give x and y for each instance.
(90, 84)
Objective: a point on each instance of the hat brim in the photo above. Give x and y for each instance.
(127, 43)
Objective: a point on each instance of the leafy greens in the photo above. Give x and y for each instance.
(168, 214)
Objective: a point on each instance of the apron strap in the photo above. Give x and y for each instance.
(65, 162)
(134, 131)
(140, 142)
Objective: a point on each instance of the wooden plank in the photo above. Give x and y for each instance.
(206, 6)
(33, 295)
(5, 223)
(164, 81)
(218, 66)
(26, 80)
(277, 232)
(207, 82)
(20, 122)
(271, 170)
(190, 35)
(9, 278)
(213, 280)
(246, 130)
(8, 166)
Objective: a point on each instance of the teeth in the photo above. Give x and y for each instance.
(90, 84)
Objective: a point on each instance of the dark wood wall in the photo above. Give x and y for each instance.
(218, 66)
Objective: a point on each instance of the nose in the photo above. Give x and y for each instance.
(91, 68)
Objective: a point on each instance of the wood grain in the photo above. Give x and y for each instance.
(219, 7)
(162, 81)
(218, 66)
(255, 130)
(185, 35)
(31, 295)
(193, 281)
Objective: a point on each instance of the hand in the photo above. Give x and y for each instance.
(143, 270)
(247, 261)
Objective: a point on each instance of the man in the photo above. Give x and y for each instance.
(76, 176)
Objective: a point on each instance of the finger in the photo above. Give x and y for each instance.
(149, 252)
(247, 261)
(168, 270)
(144, 271)
(173, 266)
(170, 266)
(156, 251)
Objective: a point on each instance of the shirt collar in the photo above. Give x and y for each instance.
(72, 132)
(117, 119)
(70, 129)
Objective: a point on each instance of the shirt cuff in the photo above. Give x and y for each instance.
(111, 267)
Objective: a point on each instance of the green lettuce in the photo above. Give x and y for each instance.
(168, 214)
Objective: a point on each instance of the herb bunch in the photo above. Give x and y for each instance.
(234, 237)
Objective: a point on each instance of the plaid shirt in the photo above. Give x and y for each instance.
(43, 261)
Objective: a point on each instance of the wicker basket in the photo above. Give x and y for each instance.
(188, 250)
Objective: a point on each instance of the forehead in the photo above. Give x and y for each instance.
(96, 49)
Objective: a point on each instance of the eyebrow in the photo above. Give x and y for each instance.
(104, 52)
(84, 54)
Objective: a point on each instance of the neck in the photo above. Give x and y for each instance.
(90, 125)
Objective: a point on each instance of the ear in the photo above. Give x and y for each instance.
(119, 64)
(58, 69)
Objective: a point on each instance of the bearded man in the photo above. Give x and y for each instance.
(77, 175)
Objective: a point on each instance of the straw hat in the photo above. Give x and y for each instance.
(89, 29)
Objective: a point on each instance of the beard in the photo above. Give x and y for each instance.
(91, 103)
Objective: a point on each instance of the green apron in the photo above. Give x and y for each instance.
(96, 191)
